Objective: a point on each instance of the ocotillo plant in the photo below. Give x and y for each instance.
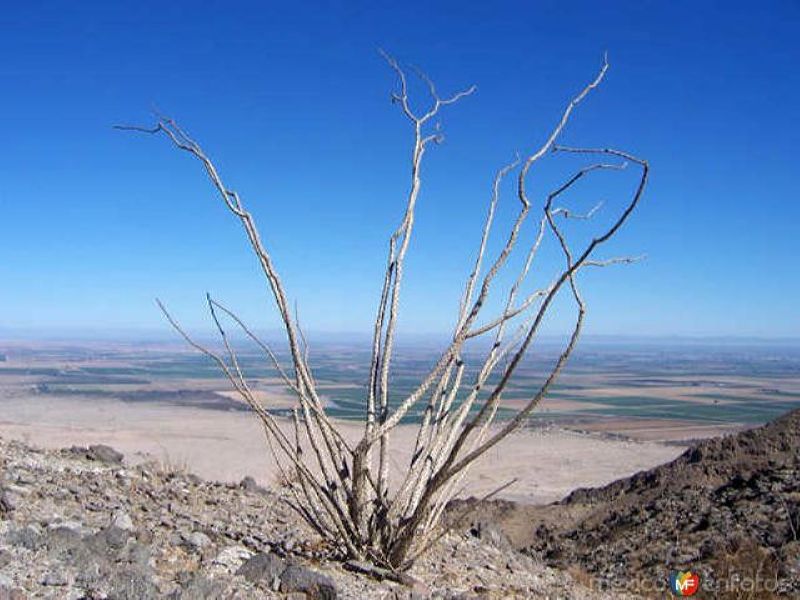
(342, 488)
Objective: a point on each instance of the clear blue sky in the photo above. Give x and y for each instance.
(292, 101)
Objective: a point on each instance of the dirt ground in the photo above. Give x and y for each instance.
(228, 445)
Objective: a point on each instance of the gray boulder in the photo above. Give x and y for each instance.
(104, 454)
(314, 584)
(262, 568)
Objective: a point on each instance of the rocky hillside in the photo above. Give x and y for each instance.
(81, 523)
(726, 508)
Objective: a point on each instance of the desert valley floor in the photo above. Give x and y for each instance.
(617, 409)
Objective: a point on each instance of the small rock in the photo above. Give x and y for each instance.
(25, 478)
(75, 526)
(29, 537)
(106, 544)
(232, 556)
(262, 568)
(490, 533)
(249, 484)
(123, 521)
(314, 584)
(192, 478)
(55, 578)
(104, 454)
(196, 540)
(61, 539)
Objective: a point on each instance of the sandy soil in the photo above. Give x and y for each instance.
(226, 446)
(660, 430)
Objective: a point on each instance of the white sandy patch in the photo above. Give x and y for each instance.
(226, 446)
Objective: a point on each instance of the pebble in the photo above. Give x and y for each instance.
(232, 556)
(123, 521)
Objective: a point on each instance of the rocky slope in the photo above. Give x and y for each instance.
(727, 508)
(80, 523)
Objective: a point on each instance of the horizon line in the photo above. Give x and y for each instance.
(130, 335)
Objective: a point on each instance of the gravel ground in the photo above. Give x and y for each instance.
(81, 523)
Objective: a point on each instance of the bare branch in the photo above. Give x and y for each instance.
(339, 490)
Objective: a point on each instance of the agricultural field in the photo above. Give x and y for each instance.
(643, 392)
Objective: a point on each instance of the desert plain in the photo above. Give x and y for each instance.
(615, 412)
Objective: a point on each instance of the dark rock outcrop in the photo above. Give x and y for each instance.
(728, 507)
